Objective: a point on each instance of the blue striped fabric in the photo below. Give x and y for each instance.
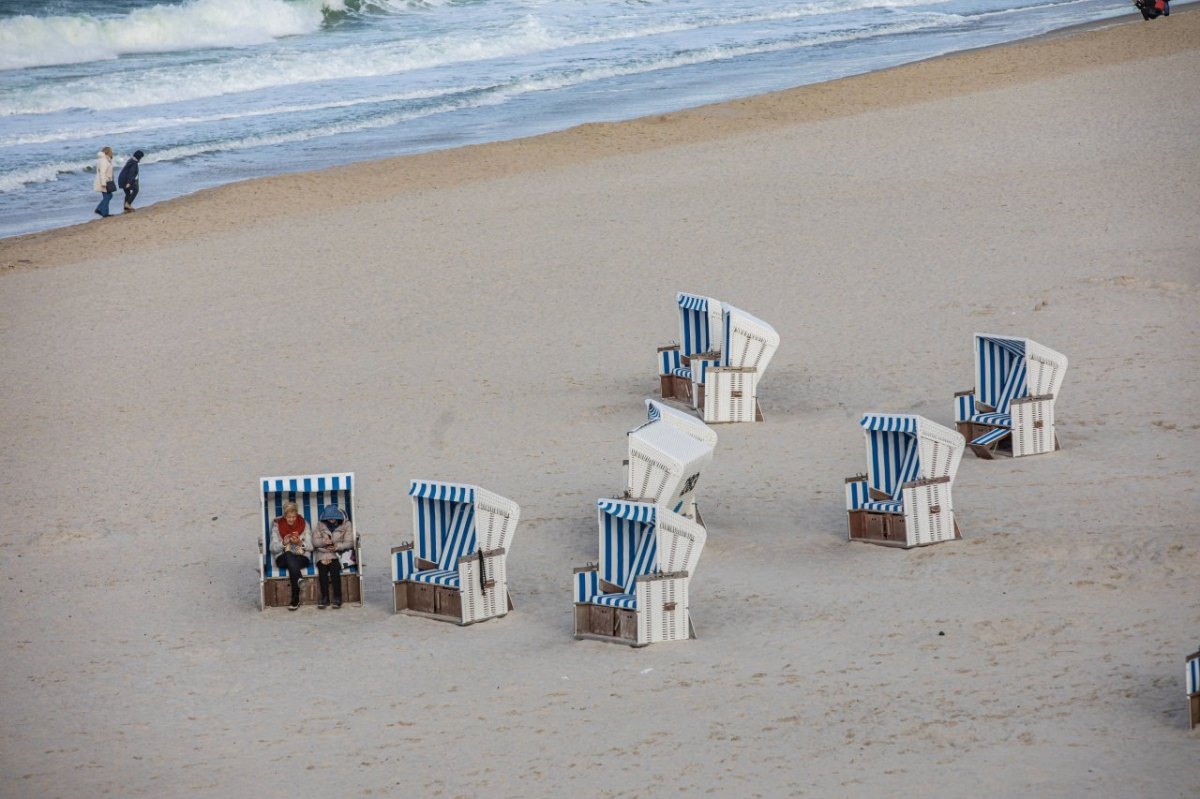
(884, 506)
(856, 495)
(460, 537)
(991, 436)
(964, 407)
(311, 493)
(682, 371)
(886, 453)
(616, 600)
(693, 320)
(587, 585)
(1014, 386)
(403, 565)
(623, 529)
(430, 489)
(1193, 676)
(998, 419)
(644, 559)
(700, 367)
(653, 414)
(909, 468)
(889, 422)
(994, 357)
(667, 361)
(447, 577)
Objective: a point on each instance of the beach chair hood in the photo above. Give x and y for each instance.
(665, 464)
(686, 422)
(749, 341)
(905, 447)
(1010, 367)
(454, 519)
(700, 323)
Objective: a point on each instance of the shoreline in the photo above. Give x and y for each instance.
(303, 193)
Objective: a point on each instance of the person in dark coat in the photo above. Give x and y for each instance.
(128, 179)
(1152, 9)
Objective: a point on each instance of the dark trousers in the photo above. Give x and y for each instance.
(295, 565)
(325, 571)
(131, 191)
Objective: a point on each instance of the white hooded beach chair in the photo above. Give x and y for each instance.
(455, 570)
(638, 594)
(904, 498)
(701, 326)
(1193, 689)
(311, 492)
(1011, 408)
(666, 457)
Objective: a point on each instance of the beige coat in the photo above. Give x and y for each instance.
(103, 172)
(327, 544)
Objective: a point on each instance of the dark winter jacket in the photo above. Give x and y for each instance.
(129, 174)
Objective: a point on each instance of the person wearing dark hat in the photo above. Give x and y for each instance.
(128, 179)
(333, 535)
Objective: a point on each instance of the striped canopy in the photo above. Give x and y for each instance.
(443, 521)
(905, 447)
(699, 323)
(311, 492)
(749, 342)
(636, 538)
(1009, 368)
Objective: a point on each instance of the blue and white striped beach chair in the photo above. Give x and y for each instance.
(311, 492)
(1193, 689)
(666, 457)
(701, 332)
(904, 498)
(1011, 408)
(638, 594)
(456, 568)
(727, 390)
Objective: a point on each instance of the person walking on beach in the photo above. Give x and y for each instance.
(104, 180)
(333, 536)
(1152, 9)
(291, 543)
(128, 179)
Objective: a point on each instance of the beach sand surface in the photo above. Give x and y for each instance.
(490, 315)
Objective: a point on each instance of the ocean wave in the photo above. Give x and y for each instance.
(479, 96)
(29, 41)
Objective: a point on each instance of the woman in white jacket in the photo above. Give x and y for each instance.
(104, 179)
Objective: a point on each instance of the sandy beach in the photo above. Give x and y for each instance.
(490, 315)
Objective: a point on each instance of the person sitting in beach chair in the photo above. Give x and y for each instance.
(1153, 9)
(1011, 407)
(296, 511)
(291, 545)
(638, 594)
(332, 540)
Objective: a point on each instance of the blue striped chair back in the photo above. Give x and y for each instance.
(624, 529)
(443, 521)
(1193, 676)
(994, 360)
(644, 559)
(460, 536)
(910, 467)
(311, 493)
(891, 454)
(1014, 385)
(695, 334)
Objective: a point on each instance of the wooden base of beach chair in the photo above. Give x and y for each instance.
(438, 602)
(885, 529)
(1193, 711)
(277, 591)
(604, 623)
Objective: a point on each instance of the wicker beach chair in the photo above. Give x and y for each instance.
(638, 594)
(311, 492)
(1193, 689)
(456, 569)
(904, 498)
(1011, 408)
(701, 332)
(666, 456)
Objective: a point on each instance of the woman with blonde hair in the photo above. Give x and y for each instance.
(104, 180)
(291, 544)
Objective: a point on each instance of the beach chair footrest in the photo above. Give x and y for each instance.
(277, 591)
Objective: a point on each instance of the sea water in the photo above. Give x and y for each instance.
(216, 91)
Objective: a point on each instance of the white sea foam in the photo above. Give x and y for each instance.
(29, 41)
